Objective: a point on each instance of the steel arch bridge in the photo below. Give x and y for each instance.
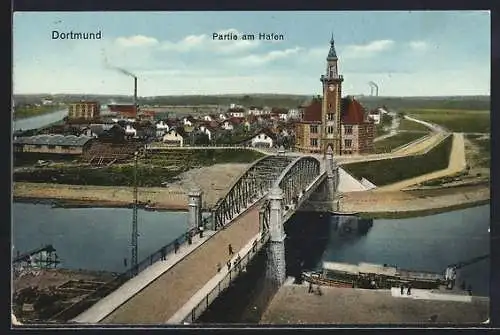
(291, 174)
(293, 181)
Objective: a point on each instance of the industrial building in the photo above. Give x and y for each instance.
(87, 110)
(124, 110)
(333, 121)
(52, 144)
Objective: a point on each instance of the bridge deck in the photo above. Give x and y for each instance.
(161, 299)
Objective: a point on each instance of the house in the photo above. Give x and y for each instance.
(293, 114)
(236, 112)
(162, 127)
(175, 137)
(264, 139)
(130, 131)
(188, 121)
(210, 117)
(375, 116)
(208, 130)
(279, 114)
(94, 130)
(254, 110)
(223, 116)
(231, 123)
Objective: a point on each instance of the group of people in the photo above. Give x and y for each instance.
(407, 287)
(318, 289)
(189, 238)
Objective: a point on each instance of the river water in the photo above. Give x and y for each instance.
(93, 238)
(39, 121)
(99, 239)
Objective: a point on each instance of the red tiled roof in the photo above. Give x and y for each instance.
(352, 111)
(312, 113)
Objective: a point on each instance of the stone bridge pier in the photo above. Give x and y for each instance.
(195, 210)
(276, 254)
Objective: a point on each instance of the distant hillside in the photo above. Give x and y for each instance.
(273, 100)
(400, 103)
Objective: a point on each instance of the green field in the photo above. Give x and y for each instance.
(466, 121)
(412, 126)
(389, 171)
(484, 144)
(391, 143)
(25, 112)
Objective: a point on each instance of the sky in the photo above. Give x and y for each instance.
(406, 53)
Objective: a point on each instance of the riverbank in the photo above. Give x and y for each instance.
(214, 181)
(38, 294)
(294, 305)
(416, 202)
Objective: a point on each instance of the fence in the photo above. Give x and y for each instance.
(225, 282)
(106, 289)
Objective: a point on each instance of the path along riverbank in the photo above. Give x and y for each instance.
(216, 180)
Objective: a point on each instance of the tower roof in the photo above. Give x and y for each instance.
(332, 55)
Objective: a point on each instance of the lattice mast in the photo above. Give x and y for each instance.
(135, 233)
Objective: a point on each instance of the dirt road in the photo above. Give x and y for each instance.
(456, 165)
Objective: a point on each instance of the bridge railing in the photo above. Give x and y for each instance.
(225, 282)
(109, 287)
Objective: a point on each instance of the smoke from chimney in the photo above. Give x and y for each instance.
(123, 71)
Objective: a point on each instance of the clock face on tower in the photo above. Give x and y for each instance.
(331, 88)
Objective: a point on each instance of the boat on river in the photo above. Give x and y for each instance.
(374, 276)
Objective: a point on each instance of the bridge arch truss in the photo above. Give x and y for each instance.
(252, 185)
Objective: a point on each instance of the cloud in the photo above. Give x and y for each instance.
(137, 41)
(367, 50)
(268, 57)
(418, 45)
(206, 42)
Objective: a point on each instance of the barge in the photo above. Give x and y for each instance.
(372, 276)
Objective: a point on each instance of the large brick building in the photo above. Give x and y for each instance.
(87, 110)
(331, 120)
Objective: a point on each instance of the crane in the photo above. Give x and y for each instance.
(135, 233)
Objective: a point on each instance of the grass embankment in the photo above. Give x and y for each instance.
(462, 121)
(483, 157)
(388, 171)
(412, 126)
(393, 142)
(151, 172)
(25, 112)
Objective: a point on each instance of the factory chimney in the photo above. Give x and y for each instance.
(135, 94)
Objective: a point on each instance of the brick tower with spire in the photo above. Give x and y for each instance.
(331, 104)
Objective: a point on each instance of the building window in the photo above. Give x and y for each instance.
(314, 129)
(314, 142)
(330, 130)
(347, 143)
(330, 116)
(348, 129)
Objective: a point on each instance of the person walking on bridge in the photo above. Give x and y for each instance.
(176, 246)
(230, 249)
(163, 254)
